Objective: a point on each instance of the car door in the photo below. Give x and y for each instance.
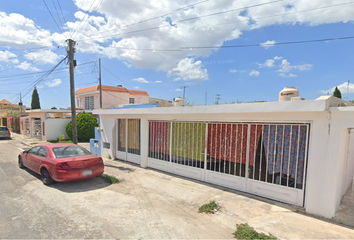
(38, 160)
(31, 155)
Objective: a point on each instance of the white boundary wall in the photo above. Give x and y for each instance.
(328, 145)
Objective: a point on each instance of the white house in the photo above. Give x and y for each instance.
(89, 97)
(297, 152)
(46, 124)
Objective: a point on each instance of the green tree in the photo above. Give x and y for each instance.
(337, 93)
(35, 104)
(86, 124)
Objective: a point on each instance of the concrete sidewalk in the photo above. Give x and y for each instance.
(282, 220)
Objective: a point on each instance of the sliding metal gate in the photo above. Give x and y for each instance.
(129, 140)
(267, 159)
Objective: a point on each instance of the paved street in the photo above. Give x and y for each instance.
(146, 204)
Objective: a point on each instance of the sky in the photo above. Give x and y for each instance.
(239, 50)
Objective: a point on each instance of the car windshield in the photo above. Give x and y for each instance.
(71, 151)
(3, 128)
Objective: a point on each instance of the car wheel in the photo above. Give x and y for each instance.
(20, 164)
(46, 179)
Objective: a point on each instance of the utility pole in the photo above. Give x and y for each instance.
(99, 61)
(217, 99)
(20, 104)
(184, 92)
(71, 50)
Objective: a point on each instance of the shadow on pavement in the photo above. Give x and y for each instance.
(75, 186)
(125, 169)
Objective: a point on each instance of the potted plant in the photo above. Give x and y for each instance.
(61, 138)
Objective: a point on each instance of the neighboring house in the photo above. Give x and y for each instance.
(297, 152)
(89, 97)
(46, 124)
(10, 113)
(161, 102)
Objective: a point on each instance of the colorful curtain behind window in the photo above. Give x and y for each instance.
(285, 148)
(228, 141)
(159, 141)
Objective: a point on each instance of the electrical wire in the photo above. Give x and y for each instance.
(83, 17)
(167, 26)
(146, 20)
(62, 14)
(53, 18)
(272, 44)
(183, 20)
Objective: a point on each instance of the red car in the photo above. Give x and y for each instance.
(61, 162)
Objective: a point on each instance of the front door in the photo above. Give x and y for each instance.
(128, 139)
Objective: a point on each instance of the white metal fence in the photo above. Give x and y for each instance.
(272, 153)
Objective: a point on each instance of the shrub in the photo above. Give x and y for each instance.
(210, 207)
(109, 178)
(61, 137)
(244, 231)
(86, 124)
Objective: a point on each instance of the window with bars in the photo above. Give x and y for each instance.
(89, 103)
(131, 100)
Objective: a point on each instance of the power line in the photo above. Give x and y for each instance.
(53, 18)
(241, 46)
(42, 77)
(232, 10)
(159, 27)
(146, 20)
(276, 43)
(62, 14)
(83, 17)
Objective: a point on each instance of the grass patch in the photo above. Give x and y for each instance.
(109, 178)
(33, 143)
(244, 231)
(210, 207)
(109, 156)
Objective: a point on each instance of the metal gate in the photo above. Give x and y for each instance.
(26, 127)
(266, 159)
(128, 148)
(37, 128)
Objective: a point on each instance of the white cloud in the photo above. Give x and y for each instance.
(178, 90)
(285, 67)
(278, 58)
(55, 82)
(236, 71)
(158, 82)
(269, 63)
(27, 66)
(43, 57)
(290, 75)
(189, 70)
(136, 87)
(7, 56)
(21, 32)
(254, 73)
(268, 44)
(344, 88)
(140, 79)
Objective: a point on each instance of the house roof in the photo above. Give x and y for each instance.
(111, 89)
(4, 101)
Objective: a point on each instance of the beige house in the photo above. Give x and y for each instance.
(89, 98)
(8, 109)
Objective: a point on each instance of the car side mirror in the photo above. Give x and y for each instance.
(25, 152)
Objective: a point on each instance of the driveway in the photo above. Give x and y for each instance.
(145, 204)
